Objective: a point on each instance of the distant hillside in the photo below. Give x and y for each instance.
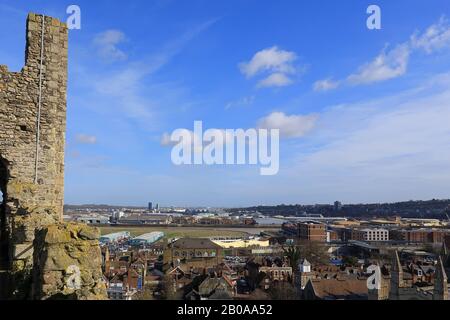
(432, 209)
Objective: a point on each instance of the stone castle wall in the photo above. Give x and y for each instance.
(32, 202)
(42, 257)
(67, 263)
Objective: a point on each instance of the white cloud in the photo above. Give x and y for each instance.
(436, 37)
(85, 139)
(271, 59)
(274, 61)
(385, 66)
(293, 126)
(106, 43)
(275, 80)
(390, 64)
(325, 85)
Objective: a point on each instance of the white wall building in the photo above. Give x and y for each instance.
(375, 234)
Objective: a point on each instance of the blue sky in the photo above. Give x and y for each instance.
(363, 113)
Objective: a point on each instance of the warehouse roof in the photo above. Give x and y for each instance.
(195, 243)
(149, 236)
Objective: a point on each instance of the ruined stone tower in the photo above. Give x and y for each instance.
(40, 256)
(32, 138)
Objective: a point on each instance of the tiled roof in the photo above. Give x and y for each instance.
(209, 285)
(191, 243)
(339, 289)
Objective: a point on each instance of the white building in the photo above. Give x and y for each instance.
(93, 219)
(116, 291)
(367, 234)
(114, 237)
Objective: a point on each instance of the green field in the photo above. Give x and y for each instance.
(177, 232)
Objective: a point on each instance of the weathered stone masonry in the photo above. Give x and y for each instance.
(67, 260)
(28, 205)
(33, 194)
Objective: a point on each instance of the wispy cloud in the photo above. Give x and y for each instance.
(107, 45)
(393, 63)
(325, 85)
(436, 37)
(85, 139)
(392, 148)
(128, 89)
(245, 101)
(385, 66)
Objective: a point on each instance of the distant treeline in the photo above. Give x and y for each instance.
(431, 209)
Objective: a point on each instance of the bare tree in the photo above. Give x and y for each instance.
(170, 291)
(281, 290)
(293, 253)
(315, 252)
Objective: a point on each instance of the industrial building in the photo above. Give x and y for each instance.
(115, 237)
(92, 219)
(367, 234)
(147, 238)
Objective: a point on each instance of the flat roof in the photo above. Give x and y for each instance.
(149, 236)
(116, 234)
